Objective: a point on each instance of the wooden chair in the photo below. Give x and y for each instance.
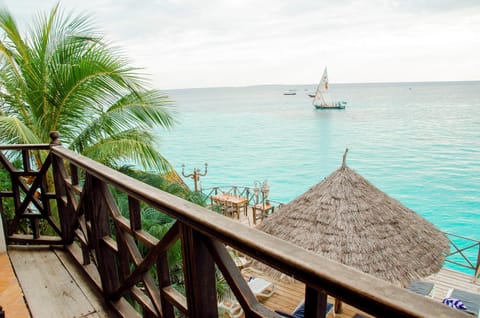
(469, 299)
(231, 308)
(261, 288)
(264, 209)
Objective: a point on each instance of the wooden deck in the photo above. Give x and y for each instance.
(53, 285)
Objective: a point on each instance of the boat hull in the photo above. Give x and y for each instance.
(329, 107)
(339, 105)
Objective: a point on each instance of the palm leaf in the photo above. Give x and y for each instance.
(62, 76)
(15, 132)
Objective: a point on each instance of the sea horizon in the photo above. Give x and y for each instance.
(331, 83)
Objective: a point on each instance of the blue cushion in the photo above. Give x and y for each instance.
(470, 300)
(421, 287)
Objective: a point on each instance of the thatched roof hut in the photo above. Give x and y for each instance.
(349, 220)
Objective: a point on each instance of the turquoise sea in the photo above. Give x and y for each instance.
(418, 142)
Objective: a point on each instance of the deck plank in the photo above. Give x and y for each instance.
(85, 285)
(49, 288)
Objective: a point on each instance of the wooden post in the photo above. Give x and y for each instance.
(477, 267)
(315, 303)
(164, 281)
(199, 272)
(65, 214)
(98, 193)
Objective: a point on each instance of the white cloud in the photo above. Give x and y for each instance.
(187, 43)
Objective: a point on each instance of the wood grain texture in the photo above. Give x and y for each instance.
(49, 288)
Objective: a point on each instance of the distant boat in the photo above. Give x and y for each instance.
(290, 92)
(322, 99)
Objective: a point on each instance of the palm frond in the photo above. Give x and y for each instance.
(128, 146)
(14, 131)
(63, 76)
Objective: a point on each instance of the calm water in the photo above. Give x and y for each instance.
(418, 142)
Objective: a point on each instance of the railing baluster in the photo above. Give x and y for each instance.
(477, 266)
(134, 212)
(163, 273)
(26, 160)
(199, 274)
(98, 192)
(65, 211)
(315, 303)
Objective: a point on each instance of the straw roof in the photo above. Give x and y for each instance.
(349, 220)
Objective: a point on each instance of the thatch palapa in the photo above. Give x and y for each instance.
(349, 220)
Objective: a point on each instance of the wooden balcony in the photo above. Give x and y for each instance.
(120, 268)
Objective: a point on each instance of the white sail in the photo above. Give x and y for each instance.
(322, 97)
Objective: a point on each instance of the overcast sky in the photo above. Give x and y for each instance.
(207, 43)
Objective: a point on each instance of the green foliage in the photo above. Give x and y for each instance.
(6, 185)
(62, 76)
(162, 183)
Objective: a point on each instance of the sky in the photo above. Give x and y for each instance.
(216, 43)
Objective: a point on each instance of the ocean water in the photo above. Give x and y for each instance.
(418, 142)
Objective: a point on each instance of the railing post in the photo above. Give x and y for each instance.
(98, 209)
(164, 281)
(65, 214)
(199, 272)
(477, 268)
(315, 303)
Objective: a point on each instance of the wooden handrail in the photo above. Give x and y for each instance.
(88, 212)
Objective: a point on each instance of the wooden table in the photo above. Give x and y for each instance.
(230, 203)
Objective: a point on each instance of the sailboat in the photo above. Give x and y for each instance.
(322, 99)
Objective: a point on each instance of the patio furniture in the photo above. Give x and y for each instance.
(231, 307)
(261, 288)
(470, 300)
(423, 288)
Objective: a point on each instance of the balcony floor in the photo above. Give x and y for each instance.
(53, 286)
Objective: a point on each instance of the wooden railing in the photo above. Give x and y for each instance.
(57, 190)
(465, 253)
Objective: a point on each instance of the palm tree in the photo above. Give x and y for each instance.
(64, 77)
